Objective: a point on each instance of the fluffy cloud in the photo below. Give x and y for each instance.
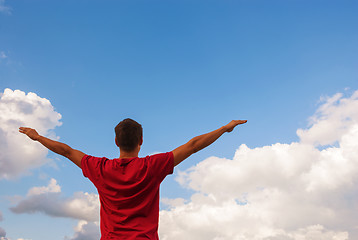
(52, 187)
(333, 119)
(86, 231)
(49, 200)
(18, 154)
(302, 190)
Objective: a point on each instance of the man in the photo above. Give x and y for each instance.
(128, 186)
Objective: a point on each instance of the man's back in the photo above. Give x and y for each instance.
(129, 193)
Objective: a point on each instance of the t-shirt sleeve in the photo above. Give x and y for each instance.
(91, 168)
(163, 164)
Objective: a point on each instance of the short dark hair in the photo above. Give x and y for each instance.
(129, 134)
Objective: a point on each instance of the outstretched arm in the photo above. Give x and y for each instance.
(60, 148)
(202, 141)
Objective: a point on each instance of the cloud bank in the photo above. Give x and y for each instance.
(18, 154)
(49, 200)
(302, 190)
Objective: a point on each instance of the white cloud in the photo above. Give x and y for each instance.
(49, 200)
(18, 154)
(86, 231)
(52, 187)
(3, 8)
(283, 191)
(333, 119)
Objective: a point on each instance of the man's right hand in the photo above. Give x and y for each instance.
(230, 126)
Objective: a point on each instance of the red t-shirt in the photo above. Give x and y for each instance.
(129, 193)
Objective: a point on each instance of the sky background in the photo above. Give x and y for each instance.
(183, 68)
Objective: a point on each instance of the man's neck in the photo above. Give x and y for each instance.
(128, 154)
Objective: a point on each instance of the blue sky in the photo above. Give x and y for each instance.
(181, 68)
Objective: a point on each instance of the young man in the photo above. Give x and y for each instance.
(128, 186)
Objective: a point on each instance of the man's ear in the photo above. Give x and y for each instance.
(115, 139)
(141, 142)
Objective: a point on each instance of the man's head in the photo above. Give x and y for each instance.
(129, 135)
